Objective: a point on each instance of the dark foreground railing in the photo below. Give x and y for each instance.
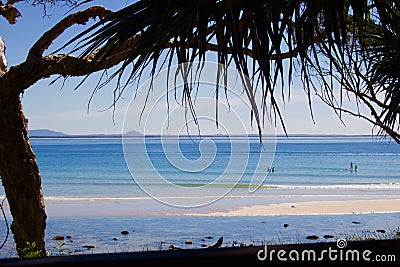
(356, 253)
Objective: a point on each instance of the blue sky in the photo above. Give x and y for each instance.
(65, 109)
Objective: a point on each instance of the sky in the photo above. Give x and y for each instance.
(61, 107)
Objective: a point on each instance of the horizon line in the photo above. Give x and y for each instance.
(136, 134)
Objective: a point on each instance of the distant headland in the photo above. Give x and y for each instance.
(47, 133)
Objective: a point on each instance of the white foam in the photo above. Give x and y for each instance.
(380, 186)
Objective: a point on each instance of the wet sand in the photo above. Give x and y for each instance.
(313, 208)
(228, 207)
(264, 202)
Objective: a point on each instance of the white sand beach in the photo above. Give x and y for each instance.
(263, 203)
(313, 208)
(227, 207)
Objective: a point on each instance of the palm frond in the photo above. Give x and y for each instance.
(326, 38)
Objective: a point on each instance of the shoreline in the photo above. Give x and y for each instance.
(99, 224)
(334, 207)
(264, 202)
(226, 208)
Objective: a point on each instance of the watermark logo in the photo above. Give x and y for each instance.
(176, 162)
(338, 253)
(341, 243)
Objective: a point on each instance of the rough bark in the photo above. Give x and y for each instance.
(20, 175)
(18, 168)
(9, 11)
(3, 61)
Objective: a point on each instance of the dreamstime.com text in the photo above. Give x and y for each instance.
(339, 253)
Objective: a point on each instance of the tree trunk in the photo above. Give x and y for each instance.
(20, 175)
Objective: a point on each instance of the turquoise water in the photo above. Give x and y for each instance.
(87, 169)
(97, 167)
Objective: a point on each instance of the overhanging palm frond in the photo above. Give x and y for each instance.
(369, 69)
(384, 77)
(262, 34)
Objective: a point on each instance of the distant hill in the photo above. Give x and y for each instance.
(50, 133)
(45, 133)
(132, 134)
(54, 134)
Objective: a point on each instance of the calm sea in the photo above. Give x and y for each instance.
(97, 167)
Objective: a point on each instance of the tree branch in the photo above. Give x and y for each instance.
(12, 2)
(69, 65)
(21, 77)
(9, 11)
(377, 122)
(37, 66)
(81, 17)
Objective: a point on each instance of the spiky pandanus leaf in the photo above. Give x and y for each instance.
(330, 40)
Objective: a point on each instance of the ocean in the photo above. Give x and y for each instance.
(216, 173)
(97, 168)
